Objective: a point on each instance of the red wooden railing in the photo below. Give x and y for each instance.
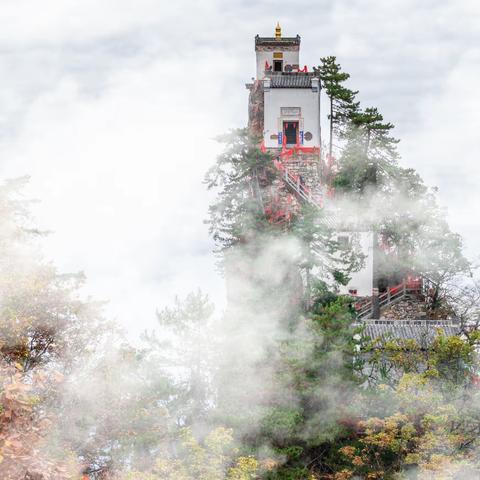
(411, 285)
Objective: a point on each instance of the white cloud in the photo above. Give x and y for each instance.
(119, 177)
(70, 21)
(445, 150)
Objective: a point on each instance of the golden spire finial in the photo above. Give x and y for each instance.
(278, 31)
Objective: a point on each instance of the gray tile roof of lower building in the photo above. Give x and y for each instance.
(422, 331)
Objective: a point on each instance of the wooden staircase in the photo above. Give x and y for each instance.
(409, 287)
(316, 197)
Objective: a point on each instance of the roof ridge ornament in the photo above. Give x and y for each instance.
(278, 31)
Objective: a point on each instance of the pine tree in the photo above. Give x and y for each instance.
(237, 175)
(374, 132)
(243, 176)
(342, 99)
(401, 210)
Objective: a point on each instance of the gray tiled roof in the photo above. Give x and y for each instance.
(291, 80)
(274, 41)
(423, 331)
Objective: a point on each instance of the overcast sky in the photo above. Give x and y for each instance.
(111, 107)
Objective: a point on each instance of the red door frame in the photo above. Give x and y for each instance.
(297, 133)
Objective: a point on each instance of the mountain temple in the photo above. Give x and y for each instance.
(285, 114)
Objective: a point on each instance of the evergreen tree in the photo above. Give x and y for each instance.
(238, 175)
(316, 371)
(342, 99)
(322, 258)
(369, 160)
(404, 214)
(374, 133)
(243, 176)
(185, 348)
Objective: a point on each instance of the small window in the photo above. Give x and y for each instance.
(290, 111)
(278, 65)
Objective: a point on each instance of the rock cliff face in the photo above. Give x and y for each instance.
(406, 309)
(414, 307)
(255, 109)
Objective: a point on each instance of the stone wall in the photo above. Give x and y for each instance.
(415, 307)
(279, 197)
(305, 165)
(407, 309)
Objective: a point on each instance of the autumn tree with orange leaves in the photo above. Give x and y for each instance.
(44, 328)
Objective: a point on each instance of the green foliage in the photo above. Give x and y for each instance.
(432, 415)
(369, 129)
(47, 330)
(238, 212)
(342, 104)
(282, 423)
(397, 205)
(43, 317)
(321, 255)
(210, 459)
(185, 346)
(117, 409)
(289, 473)
(242, 177)
(316, 368)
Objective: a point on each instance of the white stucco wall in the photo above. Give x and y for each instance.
(305, 98)
(362, 281)
(289, 58)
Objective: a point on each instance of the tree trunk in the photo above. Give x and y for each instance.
(258, 193)
(320, 170)
(308, 288)
(367, 145)
(319, 112)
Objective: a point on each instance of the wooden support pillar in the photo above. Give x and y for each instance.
(375, 304)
